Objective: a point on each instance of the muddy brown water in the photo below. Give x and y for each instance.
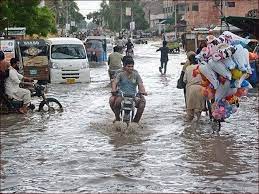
(80, 150)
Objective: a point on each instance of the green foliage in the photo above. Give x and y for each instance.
(44, 23)
(26, 13)
(110, 15)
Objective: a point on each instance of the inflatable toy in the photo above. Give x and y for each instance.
(220, 68)
(209, 74)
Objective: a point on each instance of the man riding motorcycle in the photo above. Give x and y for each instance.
(114, 62)
(130, 46)
(4, 72)
(127, 82)
(13, 89)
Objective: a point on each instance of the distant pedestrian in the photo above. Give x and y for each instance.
(164, 57)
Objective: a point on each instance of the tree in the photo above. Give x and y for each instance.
(110, 15)
(44, 23)
(20, 13)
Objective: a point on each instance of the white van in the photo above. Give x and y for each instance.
(68, 61)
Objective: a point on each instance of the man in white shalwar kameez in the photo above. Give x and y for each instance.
(12, 88)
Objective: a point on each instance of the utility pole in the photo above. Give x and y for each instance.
(121, 15)
(221, 14)
(131, 33)
(175, 20)
(67, 12)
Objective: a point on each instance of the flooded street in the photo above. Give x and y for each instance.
(80, 150)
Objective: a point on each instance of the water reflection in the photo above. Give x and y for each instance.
(212, 156)
(165, 79)
(127, 154)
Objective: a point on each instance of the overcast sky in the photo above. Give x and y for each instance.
(87, 6)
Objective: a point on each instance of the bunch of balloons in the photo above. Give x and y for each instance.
(224, 67)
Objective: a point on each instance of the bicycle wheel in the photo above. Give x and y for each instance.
(50, 104)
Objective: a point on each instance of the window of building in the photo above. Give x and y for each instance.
(195, 7)
(181, 8)
(230, 4)
(187, 7)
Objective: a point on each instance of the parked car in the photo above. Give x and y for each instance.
(139, 40)
(174, 46)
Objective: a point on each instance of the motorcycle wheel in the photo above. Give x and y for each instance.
(54, 105)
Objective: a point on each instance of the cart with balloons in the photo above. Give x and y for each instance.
(224, 68)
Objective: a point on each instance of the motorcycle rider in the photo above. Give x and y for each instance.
(129, 46)
(13, 89)
(127, 81)
(4, 72)
(114, 61)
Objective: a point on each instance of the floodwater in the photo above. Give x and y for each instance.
(80, 150)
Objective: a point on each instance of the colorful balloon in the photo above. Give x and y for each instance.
(209, 74)
(229, 63)
(236, 74)
(222, 91)
(220, 68)
(240, 58)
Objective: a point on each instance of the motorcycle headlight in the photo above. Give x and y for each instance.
(54, 66)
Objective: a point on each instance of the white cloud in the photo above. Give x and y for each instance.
(85, 7)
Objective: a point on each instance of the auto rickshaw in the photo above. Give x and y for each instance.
(96, 48)
(174, 46)
(33, 56)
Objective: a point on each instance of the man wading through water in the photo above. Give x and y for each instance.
(164, 57)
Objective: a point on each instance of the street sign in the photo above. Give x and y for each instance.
(132, 26)
(67, 26)
(73, 23)
(128, 11)
(8, 47)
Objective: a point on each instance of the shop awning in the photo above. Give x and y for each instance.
(247, 24)
(166, 21)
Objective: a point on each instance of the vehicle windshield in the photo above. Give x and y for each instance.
(27, 51)
(68, 51)
(96, 44)
(34, 55)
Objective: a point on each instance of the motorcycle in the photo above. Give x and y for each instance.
(8, 105)
(127, 108)
(130, 52)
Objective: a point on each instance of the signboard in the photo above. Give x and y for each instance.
(8, 47)
(132, 26)
(190, 36)
(128, 11)
(67, 27)
(73, 23)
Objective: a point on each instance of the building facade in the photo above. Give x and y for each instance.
(201, 13)
(153, 10)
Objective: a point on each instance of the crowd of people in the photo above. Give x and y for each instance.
(124, 80)
(200, 92)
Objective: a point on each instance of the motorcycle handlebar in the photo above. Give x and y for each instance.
(139, 93)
